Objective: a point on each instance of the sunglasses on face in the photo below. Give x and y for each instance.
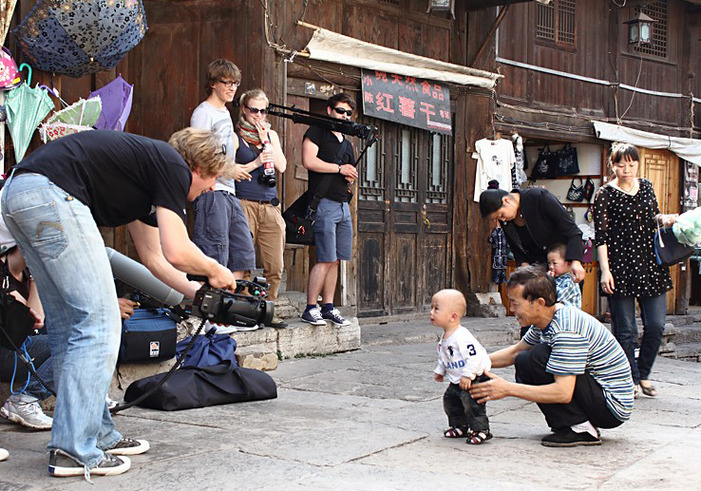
(340, 110)
(229, 83)
(255, 110)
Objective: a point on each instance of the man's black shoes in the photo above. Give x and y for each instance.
(569, 438)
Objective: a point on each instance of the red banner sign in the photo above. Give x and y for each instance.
(407, 100)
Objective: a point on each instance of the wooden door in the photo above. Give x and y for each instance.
(661, 167)
(404, 240)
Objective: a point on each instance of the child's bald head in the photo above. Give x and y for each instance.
(447, 307)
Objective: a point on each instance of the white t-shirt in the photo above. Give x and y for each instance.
(207, 117)
(461, 355)
(495, 159)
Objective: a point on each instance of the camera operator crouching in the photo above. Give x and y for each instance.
(260, 144)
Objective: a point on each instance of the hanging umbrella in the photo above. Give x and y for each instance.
(116, 104)
(26, 107)
(85, 112)
(75, 118)
(78, 37)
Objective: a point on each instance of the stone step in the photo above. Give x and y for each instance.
(687, 334)
(685, 352)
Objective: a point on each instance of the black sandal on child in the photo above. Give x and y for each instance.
(479, 437)
(455, 432)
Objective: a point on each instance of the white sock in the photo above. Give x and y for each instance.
(585, 427)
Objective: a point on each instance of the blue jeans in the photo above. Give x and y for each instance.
(652, 312)
(39, 350)
(66, 255)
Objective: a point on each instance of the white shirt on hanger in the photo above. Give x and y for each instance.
(495, 159)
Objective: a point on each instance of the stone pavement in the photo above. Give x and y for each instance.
(372, 419)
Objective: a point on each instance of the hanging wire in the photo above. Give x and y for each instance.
(637, 80)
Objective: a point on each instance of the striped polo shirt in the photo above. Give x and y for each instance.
(580, 343)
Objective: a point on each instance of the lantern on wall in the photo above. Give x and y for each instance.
(441, 6)
(640, 29)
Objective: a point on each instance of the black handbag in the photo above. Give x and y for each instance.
(194, 387)
(588, 189)
(299, 223)
(299, 216)
(668, 250)
(576, 192)
(567, 162)
(546, 165)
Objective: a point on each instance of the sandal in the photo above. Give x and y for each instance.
(649, 390)
(479, 437)
(455, 432)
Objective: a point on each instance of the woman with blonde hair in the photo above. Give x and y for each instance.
(258, 144)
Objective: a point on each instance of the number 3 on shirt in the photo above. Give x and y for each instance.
(471, 350)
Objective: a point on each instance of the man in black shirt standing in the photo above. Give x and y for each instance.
(330, 160)
(53, 204)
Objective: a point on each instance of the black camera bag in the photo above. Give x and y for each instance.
(194, 387)
(148, 335)
(300, 216)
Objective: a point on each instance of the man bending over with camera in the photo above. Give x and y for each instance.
(53, 204)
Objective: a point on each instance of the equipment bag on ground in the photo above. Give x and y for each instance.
(148, 335)
(194, 387)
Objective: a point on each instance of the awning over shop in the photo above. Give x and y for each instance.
(686, 148)
(336, 48)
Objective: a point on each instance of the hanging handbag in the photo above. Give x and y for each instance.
(546, 165)
(668, 250)
(567, 163)
(193, 387)
(570, 212)
(588, 255)
(588, 189)
(576, 192)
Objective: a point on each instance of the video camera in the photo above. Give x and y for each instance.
(223, 307)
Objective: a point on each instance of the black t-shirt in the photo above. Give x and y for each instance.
(121, 177)
(330, 150)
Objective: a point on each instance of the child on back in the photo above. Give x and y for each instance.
(568, 292)
(463, 359)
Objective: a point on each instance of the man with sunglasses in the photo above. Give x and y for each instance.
(220, 225)
(330, 161)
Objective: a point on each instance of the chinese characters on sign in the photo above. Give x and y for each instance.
(407, 100)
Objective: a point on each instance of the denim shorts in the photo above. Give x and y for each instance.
(221, 230)
(333, 232)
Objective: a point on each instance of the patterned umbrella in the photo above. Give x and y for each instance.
(77, 117)
(7, 8)
(78, 37)
(116, 104)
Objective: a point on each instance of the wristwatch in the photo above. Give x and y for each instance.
(339, 168)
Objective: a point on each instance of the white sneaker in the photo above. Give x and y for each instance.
(4, 454)
(25, 410)
(219, 328)
(254, 327)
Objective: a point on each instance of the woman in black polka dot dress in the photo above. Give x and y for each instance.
(625, 216)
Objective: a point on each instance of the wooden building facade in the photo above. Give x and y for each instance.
(566, 65)
(417, 228)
